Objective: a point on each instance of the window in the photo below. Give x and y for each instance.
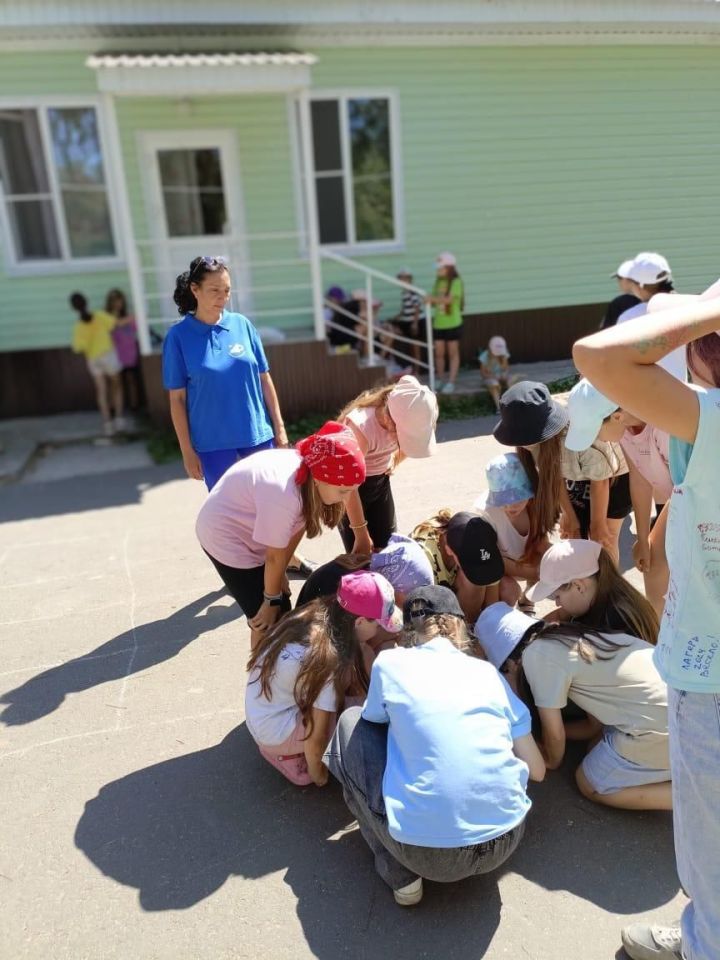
(53, 182)
(352, 147)
(192, 189)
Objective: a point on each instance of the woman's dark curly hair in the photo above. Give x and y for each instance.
(200, 267)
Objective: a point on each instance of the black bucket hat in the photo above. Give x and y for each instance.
(528, 415)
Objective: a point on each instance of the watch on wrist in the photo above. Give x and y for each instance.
(275, 601)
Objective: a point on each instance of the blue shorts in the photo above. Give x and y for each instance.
(607, 771)
(216, 462)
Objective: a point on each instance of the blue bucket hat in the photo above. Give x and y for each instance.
(507, 481)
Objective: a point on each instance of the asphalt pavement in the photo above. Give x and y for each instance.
(138, 819)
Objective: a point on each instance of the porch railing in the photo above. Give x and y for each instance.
(382, 337)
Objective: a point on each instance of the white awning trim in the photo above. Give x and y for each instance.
(184, 60)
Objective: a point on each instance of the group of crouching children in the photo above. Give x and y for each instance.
(416, 669)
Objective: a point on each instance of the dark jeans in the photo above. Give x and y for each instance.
(356, 756)
(246, 587)
(379, 506)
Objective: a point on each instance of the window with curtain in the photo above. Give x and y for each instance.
(352, 148)
(54, 185)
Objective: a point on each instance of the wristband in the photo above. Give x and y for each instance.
(358, 526)
(273, 600)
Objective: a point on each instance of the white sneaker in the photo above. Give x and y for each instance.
(120, 424)
(647, 941)
(448, 388)
(439, 386)
(409, 895)
(108, 428)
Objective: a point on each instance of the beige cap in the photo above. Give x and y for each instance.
(563, 562)
(414, 409)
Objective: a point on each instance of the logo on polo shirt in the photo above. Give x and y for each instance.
(237, 350)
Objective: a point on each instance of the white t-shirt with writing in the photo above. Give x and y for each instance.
(256, 504)
(688, 649)
(272, 721)
(510, 543)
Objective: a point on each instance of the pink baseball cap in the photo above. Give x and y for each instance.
(446, 259)
(498, 347)
(370, 595)
(563, 562)
(414, 410)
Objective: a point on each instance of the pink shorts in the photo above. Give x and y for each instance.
(289, 757)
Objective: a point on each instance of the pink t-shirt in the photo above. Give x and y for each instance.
(382, 445)
(255, 505)
(126, 345)
(649, 452)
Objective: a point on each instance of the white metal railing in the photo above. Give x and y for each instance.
(257, 263)
(371, 337)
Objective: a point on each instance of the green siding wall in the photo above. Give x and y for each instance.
(541, 168)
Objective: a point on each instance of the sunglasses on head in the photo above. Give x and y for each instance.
(208, 263)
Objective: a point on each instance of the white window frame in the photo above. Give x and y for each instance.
(66, 262)
(355, 247)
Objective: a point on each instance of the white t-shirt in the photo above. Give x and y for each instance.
(256, 504)
(510, 543)
(674, 362)
(272, 721)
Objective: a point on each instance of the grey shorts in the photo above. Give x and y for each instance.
(608, 771)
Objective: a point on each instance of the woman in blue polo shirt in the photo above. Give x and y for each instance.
(223, 402)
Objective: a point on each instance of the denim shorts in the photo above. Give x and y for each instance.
(607, 771)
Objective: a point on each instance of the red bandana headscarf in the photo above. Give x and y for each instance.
(332, 455)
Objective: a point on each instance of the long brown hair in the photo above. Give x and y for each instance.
(333, 654)
(376, 397)
(615, 593)
(317, 514)
(547, 481)
(587, 642)
(706, 349)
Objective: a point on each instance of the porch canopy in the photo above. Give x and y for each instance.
(153, 74)
(184, 75)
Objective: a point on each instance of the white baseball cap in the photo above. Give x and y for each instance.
(587, 408)
(414, 409)
(498, 347)
(648, 268)
(446, 259)
(623, 271)
(500, 628)
(563, 562)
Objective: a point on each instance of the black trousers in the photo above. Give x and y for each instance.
(246, 587)
(379, 506)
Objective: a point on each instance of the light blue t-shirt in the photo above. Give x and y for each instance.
(687, 655)
(451, 778)
(219, 365)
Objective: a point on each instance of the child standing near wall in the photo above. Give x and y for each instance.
(494, 363)
(92, 338)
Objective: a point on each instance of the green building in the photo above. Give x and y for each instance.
(541, 142)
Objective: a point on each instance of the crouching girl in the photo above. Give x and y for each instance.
(302, 671)
(611, 676)
(435, 765)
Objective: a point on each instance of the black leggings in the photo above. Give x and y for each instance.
(379, 507)
(246, 587)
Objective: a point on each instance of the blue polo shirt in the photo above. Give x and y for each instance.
(451, 778)
(220, 367)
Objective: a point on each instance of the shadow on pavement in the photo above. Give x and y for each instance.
(152, 643)
(117, 488)
(178, 830)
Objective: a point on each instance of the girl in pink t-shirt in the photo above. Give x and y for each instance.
(255, 516)
(124, 335)
(390, 423)
(303, 670)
